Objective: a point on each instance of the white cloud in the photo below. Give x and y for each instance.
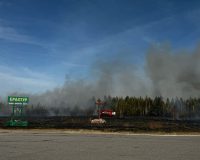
(73, 65)
(24, 80)
(11, 34)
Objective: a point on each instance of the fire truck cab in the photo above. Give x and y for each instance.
(107, 113)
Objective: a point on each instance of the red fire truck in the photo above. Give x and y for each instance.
(107, 113)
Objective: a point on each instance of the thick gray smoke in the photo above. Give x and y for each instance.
(174, 74)
(166, 73)
(116, 77)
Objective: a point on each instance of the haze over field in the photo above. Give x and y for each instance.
(70, 51)
(166, 73)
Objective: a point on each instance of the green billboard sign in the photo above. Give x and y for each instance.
(18, 100)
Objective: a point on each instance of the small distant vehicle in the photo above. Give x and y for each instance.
(103, 113)
(98, 121)
(107, 113)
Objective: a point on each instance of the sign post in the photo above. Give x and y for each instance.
(17, 111)
(99, 103)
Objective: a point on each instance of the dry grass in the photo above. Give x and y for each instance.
(155, 125)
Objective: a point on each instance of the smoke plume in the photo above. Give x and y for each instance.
(166, 73)
(173, 74)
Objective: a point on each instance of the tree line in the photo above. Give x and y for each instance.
(174, 108)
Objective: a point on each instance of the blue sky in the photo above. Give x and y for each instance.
(42, 41)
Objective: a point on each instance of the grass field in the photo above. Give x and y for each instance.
(112, 124)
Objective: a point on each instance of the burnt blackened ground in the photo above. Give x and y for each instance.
(136, 124)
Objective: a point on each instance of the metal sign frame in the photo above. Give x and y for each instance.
(17, 111)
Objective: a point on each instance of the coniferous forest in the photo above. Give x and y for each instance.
(174, 108)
